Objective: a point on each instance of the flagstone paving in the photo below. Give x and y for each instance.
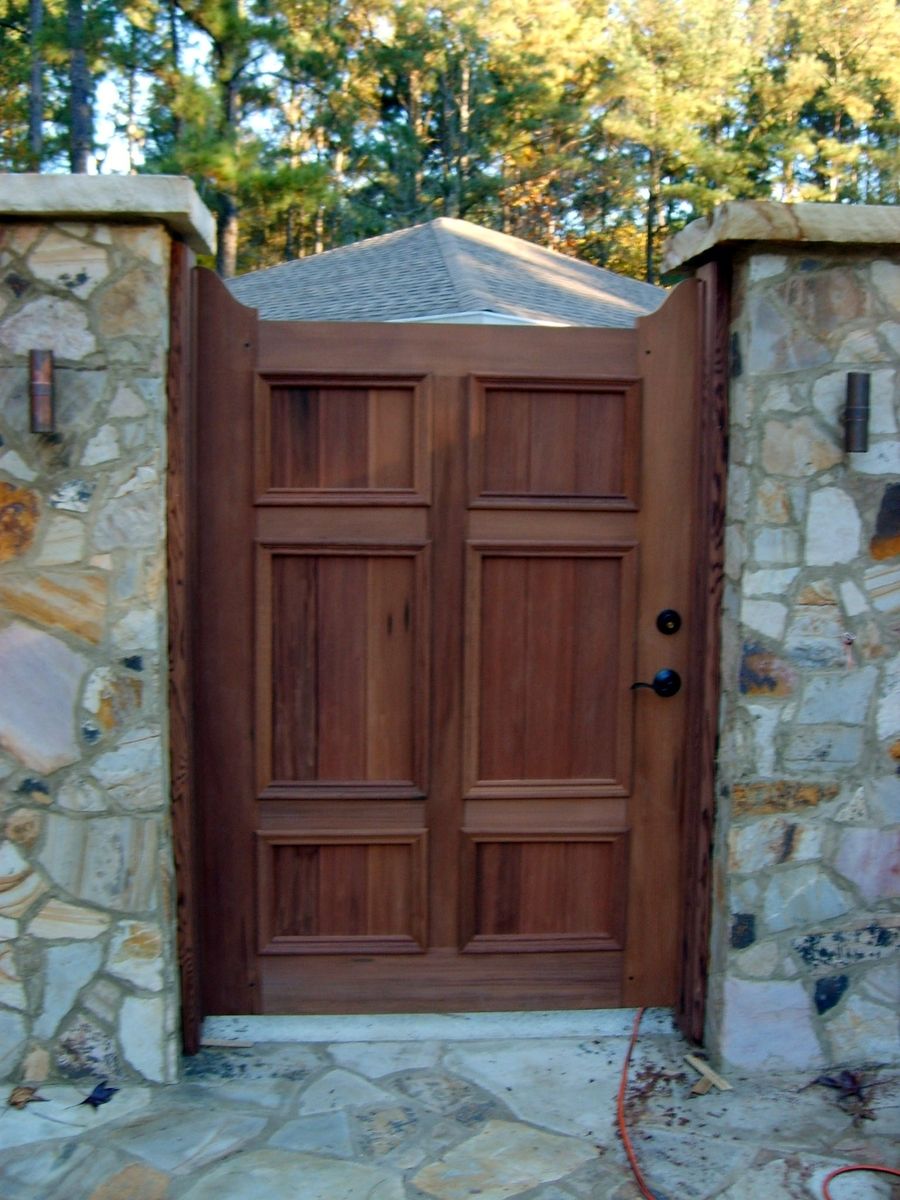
(531, 1117)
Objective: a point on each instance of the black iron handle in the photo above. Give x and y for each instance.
(665, 683)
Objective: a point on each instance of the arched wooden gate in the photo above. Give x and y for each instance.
(431, 563)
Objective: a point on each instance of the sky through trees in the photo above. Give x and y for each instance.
(594, 128)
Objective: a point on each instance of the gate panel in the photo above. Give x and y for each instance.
(549, 643)
(341, 657)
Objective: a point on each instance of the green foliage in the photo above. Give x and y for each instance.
(594, 126)
(14, 69)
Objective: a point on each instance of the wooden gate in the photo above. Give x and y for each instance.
(431, 566)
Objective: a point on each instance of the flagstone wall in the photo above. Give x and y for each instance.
(806, 927)
(87, 959)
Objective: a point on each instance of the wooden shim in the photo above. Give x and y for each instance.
(708, 1073)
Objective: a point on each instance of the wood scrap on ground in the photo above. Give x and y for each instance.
(708, 1077)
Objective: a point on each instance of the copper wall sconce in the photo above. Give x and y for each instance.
(40, 391)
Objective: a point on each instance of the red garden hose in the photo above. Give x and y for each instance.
(620, 1108)
(632, 1157)
(854, 1167)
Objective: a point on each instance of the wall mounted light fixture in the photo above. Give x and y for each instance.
(856, 413)
(40, 391)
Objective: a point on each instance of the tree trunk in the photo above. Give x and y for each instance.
(288, 252)
(174, 36)
(226, 235)
(227, 71)
(652, 221)
(603, 256)
(81, 117)
(465, 118)
(36, 93)
(650, 247)
(420, 119)
(132, 135)
(175, 40)
(448, 143)
(320, 229)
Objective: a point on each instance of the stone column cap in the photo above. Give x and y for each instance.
(741, 221)
(171, 199)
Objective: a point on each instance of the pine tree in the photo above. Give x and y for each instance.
(675, 69)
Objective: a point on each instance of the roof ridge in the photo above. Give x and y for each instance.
(498, 240)
(465, 285)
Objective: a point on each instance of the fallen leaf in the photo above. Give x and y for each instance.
(100, 1095)
(20, 1096)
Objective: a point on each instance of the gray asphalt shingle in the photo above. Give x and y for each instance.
(445, 268)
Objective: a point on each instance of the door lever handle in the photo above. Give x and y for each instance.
(665, 683)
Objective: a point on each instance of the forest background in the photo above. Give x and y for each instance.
(595, 127)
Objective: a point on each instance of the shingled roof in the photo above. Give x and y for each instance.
(446, 270)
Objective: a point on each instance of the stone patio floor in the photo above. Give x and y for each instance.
(406, 1108)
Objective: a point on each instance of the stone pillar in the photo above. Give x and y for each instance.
(87, 950)
(806, 934)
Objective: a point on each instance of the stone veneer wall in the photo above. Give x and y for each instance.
(806, 935)
(87, 963)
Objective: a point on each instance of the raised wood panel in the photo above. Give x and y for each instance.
(341, 893)
(543, 892)
(348, 441)
(550, 444)
(549, 668)
(342, 667)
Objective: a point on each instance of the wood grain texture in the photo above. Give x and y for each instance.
(334, 349)
(363, 441)
(341, 892)
(443, 981)
(180, 564)
(391, 625)
(554, 443)
(290, 670)
(539, 597)
(667, 342)
(548, 666)
(346, 627)
(546, 892)
(341, 660)
(448, 526)
(224, 652)
(708, 557)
